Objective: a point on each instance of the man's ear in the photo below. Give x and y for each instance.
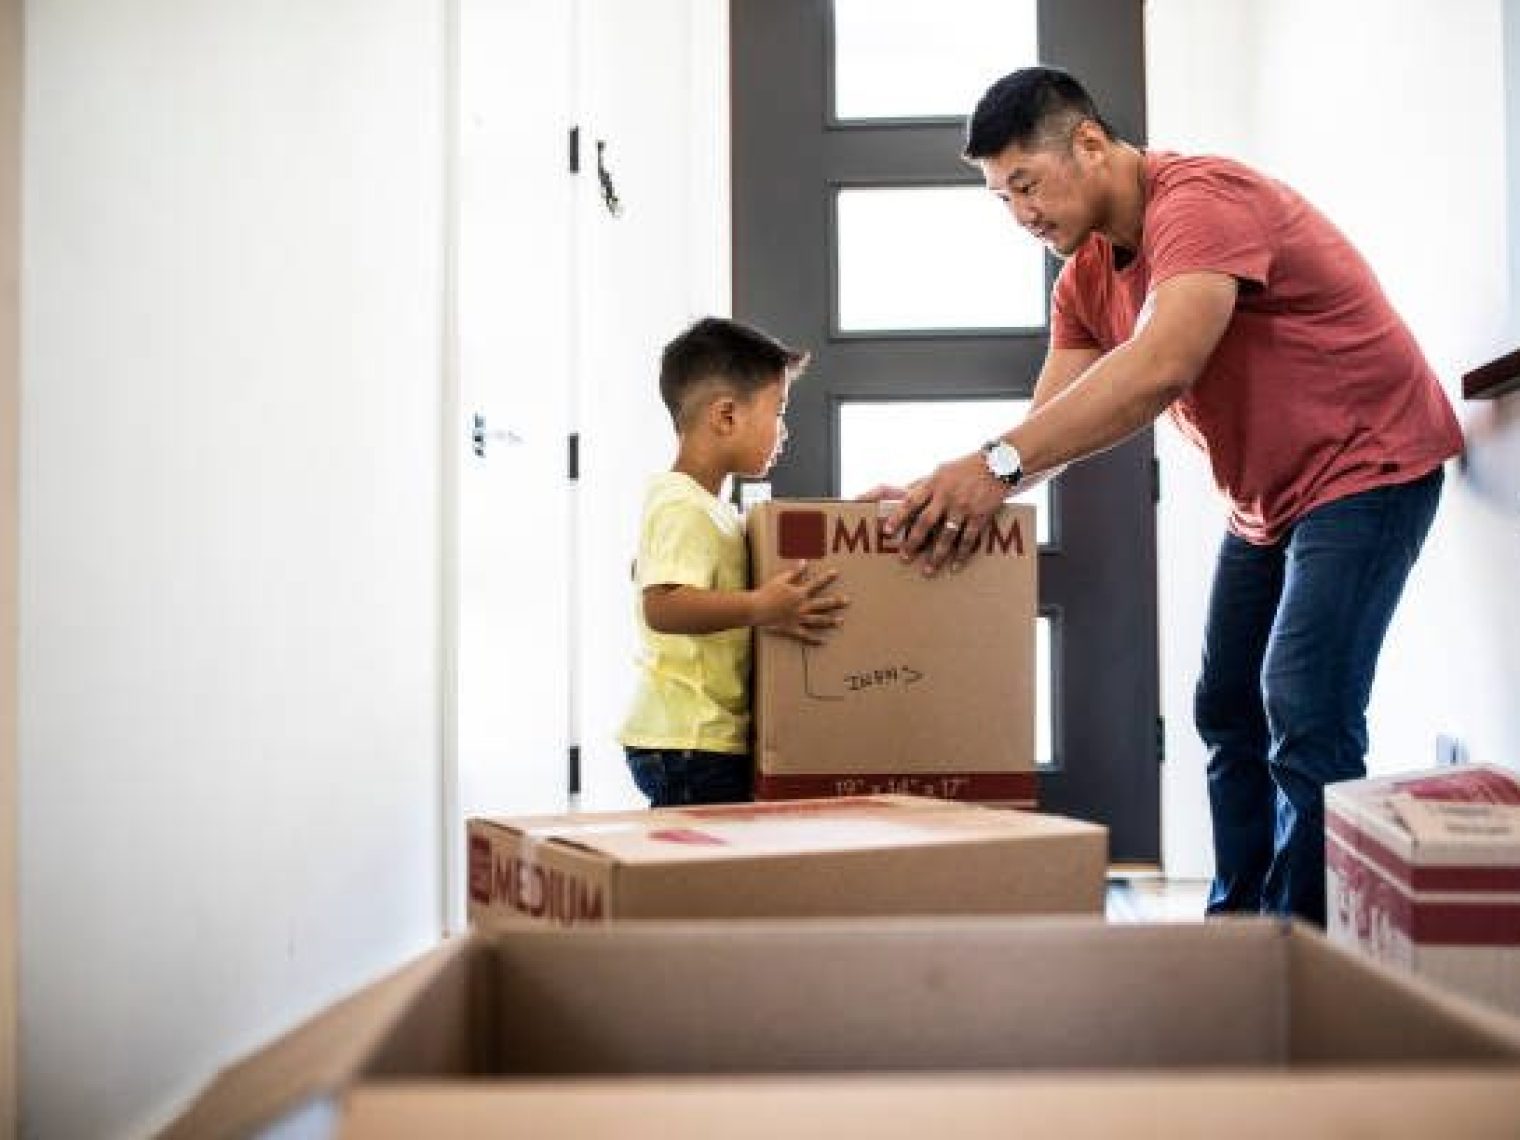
(1088, 139)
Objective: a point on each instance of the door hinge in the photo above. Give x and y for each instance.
(573, 457)
(1161, 740)
(575, 150)
(1155, 480)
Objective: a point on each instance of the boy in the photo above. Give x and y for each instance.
(687, 736)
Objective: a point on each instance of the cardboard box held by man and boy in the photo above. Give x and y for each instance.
(928, 685)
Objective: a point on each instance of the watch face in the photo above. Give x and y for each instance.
(1002, 460)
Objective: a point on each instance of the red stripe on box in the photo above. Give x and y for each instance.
(1369, 894)
(1465, 924)
(977, 787)
(1460, 878)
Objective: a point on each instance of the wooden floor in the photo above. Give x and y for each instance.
(1155, 898)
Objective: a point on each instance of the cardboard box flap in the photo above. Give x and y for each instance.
(820, 997)
(318, 1059)
(1475, 784)
(1337, 1014)
(581, 832)
(1243, 1106)
(1478, 828)
(1388, 810)
(742, 831)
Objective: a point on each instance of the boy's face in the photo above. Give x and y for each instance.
(761, 429)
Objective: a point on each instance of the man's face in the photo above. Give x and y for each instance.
(1049, 191)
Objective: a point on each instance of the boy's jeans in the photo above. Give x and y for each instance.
(672, 777)
(1290, 648)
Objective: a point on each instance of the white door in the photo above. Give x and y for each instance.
(653, 91)
(562, 309)
(513, 363)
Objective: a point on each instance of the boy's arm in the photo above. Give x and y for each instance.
(692, 610)
(794, 602)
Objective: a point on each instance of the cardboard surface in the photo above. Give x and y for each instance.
(1423, 873)
(1066, 1025)
(927, 687)
(1240, 1106)
(881, 855)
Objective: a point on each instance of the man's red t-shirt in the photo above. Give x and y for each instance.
(1317, 390)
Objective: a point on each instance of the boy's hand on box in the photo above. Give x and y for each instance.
(795, 604)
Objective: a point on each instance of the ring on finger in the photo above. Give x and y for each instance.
(952, 525)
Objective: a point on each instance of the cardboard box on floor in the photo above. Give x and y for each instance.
(927, 687)
(1423, 873)
(887, 1028)
(851, 856)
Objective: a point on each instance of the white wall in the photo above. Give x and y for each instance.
(1390, 117)
(229, 549)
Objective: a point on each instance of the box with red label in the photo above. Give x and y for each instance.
(850, 856)
(1423, 872)
(928, 685)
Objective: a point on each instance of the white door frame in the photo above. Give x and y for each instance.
(606, 345)
(506, 514)
(451, 871)
(10, 529)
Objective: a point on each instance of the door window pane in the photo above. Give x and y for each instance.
(897, 59)
(919, 258)
(893, 442)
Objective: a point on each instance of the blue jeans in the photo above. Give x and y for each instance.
(673, 777)
(1290, 648)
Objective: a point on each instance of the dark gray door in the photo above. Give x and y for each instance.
(812, 189)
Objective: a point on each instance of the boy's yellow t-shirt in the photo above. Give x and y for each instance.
(693, 689)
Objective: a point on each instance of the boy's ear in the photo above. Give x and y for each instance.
(723, 414)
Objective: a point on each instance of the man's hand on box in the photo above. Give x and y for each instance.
(885, 493)
(795, 604)
(942, 518)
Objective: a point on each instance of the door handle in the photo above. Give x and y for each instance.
(480, 435)
(610, 197)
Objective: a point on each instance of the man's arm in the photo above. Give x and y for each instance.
(1125, 390)
(1062, 368)
(1104, 404)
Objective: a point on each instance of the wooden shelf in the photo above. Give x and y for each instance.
(1493, 379)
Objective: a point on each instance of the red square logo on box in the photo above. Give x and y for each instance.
(802, 534)
(480, 869)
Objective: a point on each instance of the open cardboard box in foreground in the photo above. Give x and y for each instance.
(973, 1026)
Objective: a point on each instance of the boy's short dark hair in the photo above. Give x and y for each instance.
(1032, 108)
(716, 354)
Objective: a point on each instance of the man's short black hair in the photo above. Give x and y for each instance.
(717, 354)
(1033, 108)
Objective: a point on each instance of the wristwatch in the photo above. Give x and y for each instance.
(1003, 462)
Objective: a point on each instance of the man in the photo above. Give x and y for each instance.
(1199, 287)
